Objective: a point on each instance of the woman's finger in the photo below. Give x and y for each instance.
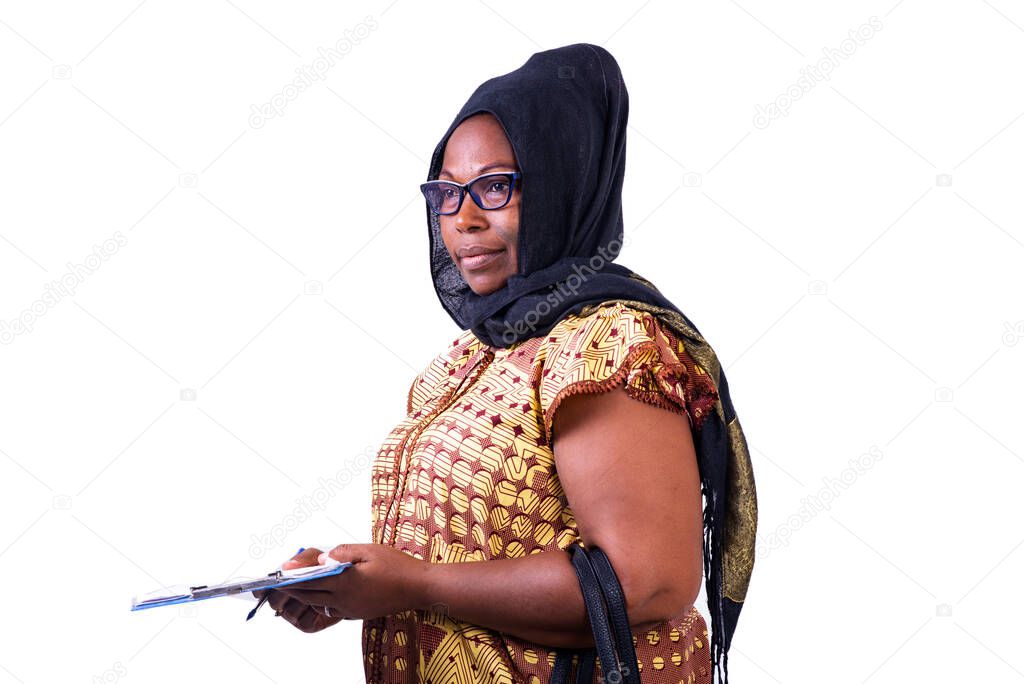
(303, 559)
(292, 611)
(309, 620)
(308, 593)
(304, 617)
(277, 600)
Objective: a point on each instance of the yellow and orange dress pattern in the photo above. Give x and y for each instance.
(469, 475)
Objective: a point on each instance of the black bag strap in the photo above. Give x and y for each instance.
(616, 602)
(600, 624)
(560, 672)
(609, 624)
(588, 662)
(584, 667)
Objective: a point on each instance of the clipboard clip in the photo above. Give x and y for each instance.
(276, 574)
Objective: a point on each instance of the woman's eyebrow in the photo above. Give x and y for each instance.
(482, 169)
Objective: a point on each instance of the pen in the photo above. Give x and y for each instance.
(266, 595)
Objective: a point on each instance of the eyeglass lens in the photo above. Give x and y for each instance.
(490, 192)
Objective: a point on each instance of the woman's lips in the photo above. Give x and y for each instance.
(480, 261)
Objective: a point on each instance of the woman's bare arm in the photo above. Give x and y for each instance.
(629, 471)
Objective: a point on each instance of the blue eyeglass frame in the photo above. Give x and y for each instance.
(464, 190)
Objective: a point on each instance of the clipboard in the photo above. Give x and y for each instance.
(176, 594)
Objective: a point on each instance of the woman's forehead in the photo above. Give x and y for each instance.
(477, 145)
(477, 170)
(475, 132)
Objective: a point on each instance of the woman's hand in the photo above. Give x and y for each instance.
(306, 618)
(381, 581)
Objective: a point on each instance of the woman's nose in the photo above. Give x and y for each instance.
(469, 216)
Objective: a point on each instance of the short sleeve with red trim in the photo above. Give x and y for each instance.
(615, 346)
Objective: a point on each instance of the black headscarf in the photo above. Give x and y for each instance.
(564, 112)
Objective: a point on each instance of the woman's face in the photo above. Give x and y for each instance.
(478, 146)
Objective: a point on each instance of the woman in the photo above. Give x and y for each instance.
(578, 406)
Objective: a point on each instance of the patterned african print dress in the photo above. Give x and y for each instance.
(469, 475)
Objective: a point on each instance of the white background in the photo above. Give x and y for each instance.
(856, 264)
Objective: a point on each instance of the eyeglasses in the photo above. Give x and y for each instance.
(490, 191)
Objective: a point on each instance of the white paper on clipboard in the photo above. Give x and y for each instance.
(176, 594)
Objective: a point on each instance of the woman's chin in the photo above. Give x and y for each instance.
(485, 283)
